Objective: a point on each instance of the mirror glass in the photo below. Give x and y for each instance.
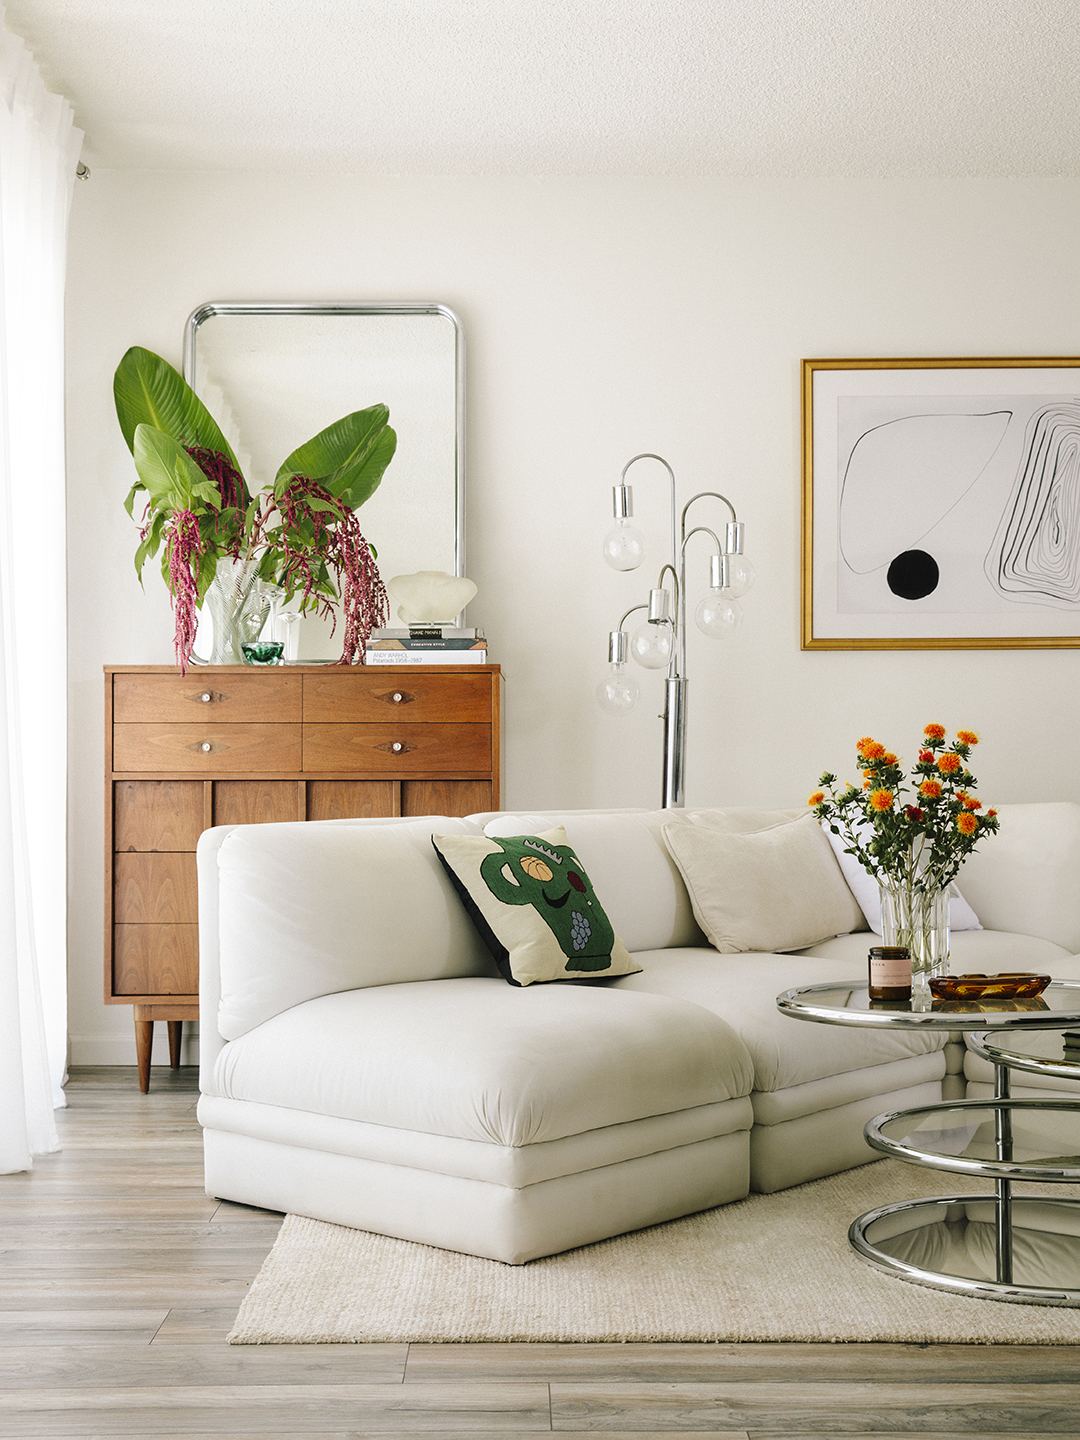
(274, 375)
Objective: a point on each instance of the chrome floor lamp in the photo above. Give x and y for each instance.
(660, 642)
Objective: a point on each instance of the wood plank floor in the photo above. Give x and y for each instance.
(119, 1280)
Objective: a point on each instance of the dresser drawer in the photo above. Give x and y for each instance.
(156, 889)
(155, 960)
(374, 696)
(211, 695)
(401, 749)
(206, 749)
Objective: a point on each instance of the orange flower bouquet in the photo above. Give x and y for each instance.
(912, 834)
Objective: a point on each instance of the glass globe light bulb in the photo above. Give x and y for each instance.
(717, 615)
(741, 575)
(617, 692)
(624, 546)
(651, 646)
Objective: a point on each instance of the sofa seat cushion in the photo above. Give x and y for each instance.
(743, 989)
(479, 1060)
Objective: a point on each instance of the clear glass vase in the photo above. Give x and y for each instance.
(917, 917)
(238, 604)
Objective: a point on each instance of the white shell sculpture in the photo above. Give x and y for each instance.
(430, 597)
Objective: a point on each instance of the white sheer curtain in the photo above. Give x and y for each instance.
(39, 150)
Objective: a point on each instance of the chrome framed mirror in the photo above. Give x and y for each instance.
(275, 373)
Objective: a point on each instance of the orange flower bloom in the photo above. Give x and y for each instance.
(873, 750)
(966, 824)
(970, 803)
(991, 814)
(967, 737)
(950, 763)
(881, 800)
(931, 789)
(934, 732)
(816, 798)
(889, 758)
(860, 745)
(925, 757)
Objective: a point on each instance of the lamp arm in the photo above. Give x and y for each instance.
(622, 622)
(698, 529)
(648, 455)
(702, 495)
(673, 664)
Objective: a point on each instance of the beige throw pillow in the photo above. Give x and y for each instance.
(772, 890)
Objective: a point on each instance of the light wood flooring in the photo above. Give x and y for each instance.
(120, 1278)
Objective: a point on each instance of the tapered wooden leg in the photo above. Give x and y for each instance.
(176, 1030)
(144, 1043)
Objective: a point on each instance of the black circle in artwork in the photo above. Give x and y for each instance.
(913, 575)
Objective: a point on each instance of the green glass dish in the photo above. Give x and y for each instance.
(262, 652)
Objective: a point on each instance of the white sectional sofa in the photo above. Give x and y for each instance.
(362, 1061)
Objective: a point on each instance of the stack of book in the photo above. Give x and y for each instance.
(426, 645)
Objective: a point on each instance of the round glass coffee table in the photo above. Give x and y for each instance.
(991, 1246)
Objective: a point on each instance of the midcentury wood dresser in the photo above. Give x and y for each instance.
(237, 745)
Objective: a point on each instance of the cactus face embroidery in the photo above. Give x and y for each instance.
(550, 878)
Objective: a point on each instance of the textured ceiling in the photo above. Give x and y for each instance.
(723, 87)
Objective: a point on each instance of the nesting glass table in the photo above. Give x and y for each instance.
(992, 1246)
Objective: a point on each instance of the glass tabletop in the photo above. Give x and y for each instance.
(849, 1003)
(1011, 1139)
(1043, 1051)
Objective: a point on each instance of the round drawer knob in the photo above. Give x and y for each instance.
(206, 745)
(206, 697)
(396, 697)
(396, 745)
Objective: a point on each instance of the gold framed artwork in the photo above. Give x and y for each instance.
(941, 504)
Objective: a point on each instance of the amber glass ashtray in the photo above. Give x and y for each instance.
(1012, 985)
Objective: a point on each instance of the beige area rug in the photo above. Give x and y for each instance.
(769, 1268)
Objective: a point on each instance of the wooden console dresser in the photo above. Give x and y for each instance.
(237, 745)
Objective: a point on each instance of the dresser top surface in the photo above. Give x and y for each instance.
(384, 670)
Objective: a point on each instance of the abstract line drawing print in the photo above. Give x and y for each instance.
(901, 477)
(1035, 554)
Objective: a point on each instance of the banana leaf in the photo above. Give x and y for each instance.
(148, 391)
(171, 477)
(348, 458)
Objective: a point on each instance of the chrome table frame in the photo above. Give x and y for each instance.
(801, 1004)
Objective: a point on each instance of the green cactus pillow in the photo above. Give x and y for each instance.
(534, 905)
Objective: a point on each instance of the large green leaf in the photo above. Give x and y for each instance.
(171, 477)
(148, 391)
(348, 458)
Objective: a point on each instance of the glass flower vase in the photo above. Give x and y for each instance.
(917, 917)
(238, 604)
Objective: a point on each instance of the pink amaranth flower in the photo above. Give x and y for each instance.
(183, 545)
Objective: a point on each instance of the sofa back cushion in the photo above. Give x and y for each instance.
(1026, 878)
(628, 863)
(307, 910)
(634, 876)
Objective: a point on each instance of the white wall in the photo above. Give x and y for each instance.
(603, 317)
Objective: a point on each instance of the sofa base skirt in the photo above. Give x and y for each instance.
(825, 1142)
(477, 1217)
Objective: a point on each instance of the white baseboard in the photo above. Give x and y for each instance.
(120, 1049)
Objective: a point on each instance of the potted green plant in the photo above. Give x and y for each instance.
(219, 540)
